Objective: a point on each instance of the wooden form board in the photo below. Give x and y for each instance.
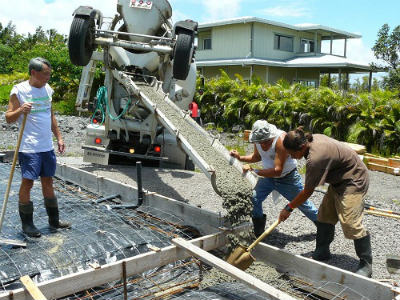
(205, 221)
(72, 283)
(382, 164)
(252, 282)
(349, 284)
(360, 149)
(390, 162)
(32, 288)
(382, 168)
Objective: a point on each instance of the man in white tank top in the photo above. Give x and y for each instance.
(279, 172)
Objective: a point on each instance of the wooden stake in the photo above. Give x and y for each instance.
(3, 210)
(32, 288)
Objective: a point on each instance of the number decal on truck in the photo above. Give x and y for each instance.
(141, 4)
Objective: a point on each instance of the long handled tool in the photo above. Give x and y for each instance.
(3, 210)
(241, 257)
(386, 211)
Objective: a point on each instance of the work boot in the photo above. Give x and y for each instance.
(259, 225)
(325, 234)
(26, 214)
(51, 205)
(363, 250)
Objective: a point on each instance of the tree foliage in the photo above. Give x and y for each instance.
(387, 48)
(371, 119)
(16, 50)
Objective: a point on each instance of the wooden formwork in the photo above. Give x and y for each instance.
(283, 261)
(381, 164)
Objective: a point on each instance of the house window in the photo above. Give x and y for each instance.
(306, 82)
(307, 46)
(283, 42)
(207, 43)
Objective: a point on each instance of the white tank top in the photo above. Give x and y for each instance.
(268, 158)
(37, 136)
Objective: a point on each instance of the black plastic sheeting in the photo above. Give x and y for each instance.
(99, 234)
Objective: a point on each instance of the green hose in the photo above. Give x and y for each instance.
(102, 102)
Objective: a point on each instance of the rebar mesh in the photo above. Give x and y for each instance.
(99, 234)
(102, 234)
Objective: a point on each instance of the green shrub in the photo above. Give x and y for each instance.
(371, 119)
(5, 94)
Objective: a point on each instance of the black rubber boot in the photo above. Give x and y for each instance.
(325, 234)
(259, 225)
(363, 250)
(51, 205)
(26, 214)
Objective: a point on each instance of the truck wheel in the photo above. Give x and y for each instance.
(81, 40)
(183, 53)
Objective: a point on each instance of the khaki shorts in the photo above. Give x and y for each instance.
(348, 209)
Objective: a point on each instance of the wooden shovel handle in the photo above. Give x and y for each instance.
(21, 132)
(265, 233)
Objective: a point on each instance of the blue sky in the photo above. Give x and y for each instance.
(364, 17)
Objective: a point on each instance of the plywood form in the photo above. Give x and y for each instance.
(205, 221)
(250, 281)
(70, 284)
(303, 267)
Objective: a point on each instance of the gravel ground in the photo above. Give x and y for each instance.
(297, 234)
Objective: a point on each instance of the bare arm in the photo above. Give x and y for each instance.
(57, 133)
(296, 202)
(251, 158)
(15, 109)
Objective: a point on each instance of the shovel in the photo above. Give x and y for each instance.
(241, 257)
(3, 210)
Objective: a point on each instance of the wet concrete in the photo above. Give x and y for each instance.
(234, 189)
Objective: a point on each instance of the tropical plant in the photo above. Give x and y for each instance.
(371, 119)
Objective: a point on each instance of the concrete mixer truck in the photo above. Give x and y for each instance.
(138, 45)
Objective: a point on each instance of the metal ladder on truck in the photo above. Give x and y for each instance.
(85, 86)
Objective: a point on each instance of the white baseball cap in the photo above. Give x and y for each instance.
(262, 131)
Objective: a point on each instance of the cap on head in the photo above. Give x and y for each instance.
(262, 131)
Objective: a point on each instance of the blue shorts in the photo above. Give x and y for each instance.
(41, 164)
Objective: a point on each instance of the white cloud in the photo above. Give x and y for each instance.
(290, 10)
(27, 15)
(222, 9)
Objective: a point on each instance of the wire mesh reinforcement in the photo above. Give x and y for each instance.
(102, 235)
(99, 234)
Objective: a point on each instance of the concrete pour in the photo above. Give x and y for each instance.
(235, 191)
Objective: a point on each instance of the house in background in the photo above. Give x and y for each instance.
(272, 50)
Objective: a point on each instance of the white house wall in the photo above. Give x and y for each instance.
(265, 73)
(209, 72)
(291, 74)
(228, 42)
(264, 41)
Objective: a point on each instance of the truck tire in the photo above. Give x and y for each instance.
(183, 53)
(81, 40)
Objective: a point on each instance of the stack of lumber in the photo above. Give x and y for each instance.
(387, 165)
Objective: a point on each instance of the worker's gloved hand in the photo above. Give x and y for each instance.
(235, 154)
